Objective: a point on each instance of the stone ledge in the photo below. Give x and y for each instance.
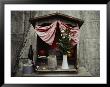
(82, 72)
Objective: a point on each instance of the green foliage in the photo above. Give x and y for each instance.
(64, 42)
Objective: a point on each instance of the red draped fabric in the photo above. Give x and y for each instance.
(47, 33)
(74, 32)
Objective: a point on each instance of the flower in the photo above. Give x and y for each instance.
(62, 30)
(64, 42)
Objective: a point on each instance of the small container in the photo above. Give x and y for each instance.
(27, 69)
(52, 62)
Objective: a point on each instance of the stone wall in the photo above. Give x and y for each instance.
(88, 48)
(19, 28)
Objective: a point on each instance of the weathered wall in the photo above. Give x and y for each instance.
(19, 28)
(89, 46)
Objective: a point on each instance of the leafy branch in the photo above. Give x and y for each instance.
(64, 41)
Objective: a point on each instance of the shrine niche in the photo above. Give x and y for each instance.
(57, 35)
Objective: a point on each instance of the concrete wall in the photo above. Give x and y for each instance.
(19, 28)
(88, 48)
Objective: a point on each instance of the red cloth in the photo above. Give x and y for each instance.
(47, 33)
(42, 52)
(54, 45)
(74, 32)
(74, 35)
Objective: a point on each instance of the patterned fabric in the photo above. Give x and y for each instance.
(47, 33)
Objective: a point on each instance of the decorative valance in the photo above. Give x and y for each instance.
(47, 33)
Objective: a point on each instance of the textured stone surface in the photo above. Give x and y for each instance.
(82, 72)
(88, 49)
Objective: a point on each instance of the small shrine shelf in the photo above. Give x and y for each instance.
(57, 70)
